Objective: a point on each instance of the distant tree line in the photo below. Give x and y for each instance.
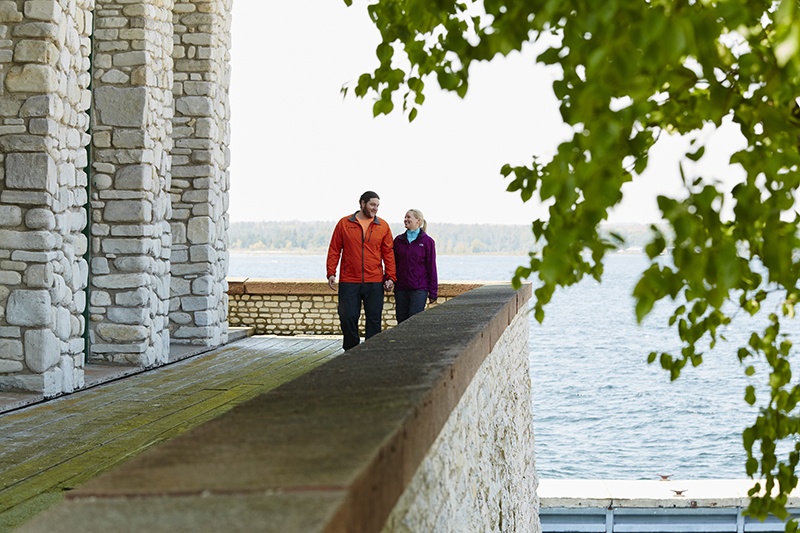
(451, 239)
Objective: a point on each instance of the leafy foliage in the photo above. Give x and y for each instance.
(631, 71)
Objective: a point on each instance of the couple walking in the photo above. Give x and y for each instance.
(372, 262)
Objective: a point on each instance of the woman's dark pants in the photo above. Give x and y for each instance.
(409, 303)
(351, 295)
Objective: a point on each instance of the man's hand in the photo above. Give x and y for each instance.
(388, 284)
(331, 281)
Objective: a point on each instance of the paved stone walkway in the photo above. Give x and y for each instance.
(54, 446)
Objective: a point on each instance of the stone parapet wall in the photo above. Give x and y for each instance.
(490, 426)
(425, 427)
(293, 307)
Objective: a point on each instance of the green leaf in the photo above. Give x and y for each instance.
(384, 52)
(695, 156)
(751, 467)
(643, 307)
(382, 107)
(447, 80)
(750, 395)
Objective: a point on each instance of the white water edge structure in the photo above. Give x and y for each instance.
(662, 506)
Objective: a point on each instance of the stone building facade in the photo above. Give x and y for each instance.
(114, 134)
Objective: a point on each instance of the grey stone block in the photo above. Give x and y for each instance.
(42, 350)
(10, 215)
(10, 367)
(195, 106)
(128, 211)
(11, 349)
(121, 281)
(40, 219)
(121, 106)
(27, 240)
(139, 297)
(122, 333)
(136, 177)
(29, 308)
(30, 171)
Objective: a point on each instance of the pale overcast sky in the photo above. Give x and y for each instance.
(302, 152)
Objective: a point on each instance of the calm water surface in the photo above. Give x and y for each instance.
(600, 411)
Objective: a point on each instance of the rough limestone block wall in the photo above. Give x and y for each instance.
(294, 314)
(303, 307)
(44, 51)
(131, 162)
(200, 184)
(458, 486)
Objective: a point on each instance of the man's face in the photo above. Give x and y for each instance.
(370, 209)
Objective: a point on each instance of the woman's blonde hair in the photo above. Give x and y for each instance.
(419, 216)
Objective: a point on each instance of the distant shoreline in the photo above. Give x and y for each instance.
(451, 239)
(276, 252)
(245, 251)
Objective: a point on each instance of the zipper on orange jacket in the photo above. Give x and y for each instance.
(365, 239)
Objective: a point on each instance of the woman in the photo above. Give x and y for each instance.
(415, 256)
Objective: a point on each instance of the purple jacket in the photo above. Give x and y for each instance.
(416, 264)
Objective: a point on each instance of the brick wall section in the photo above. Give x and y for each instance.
(304, 307)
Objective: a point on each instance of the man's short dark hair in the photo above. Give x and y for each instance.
(367, 196)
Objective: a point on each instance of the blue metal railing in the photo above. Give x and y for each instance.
(655, 520)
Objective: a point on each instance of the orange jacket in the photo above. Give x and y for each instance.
(362, 254)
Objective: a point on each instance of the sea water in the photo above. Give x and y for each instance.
(600, 411)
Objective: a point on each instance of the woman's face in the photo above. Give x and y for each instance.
(410, 221)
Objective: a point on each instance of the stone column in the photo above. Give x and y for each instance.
(44, 51)
(131, 174)
(200, 172)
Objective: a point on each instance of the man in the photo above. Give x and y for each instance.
(364, 243)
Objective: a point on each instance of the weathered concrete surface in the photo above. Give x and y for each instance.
(336, 446)
(47, 450)
(237, 513)
(97, 374)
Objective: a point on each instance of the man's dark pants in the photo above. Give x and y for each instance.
(351, 295)
(409, 303)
